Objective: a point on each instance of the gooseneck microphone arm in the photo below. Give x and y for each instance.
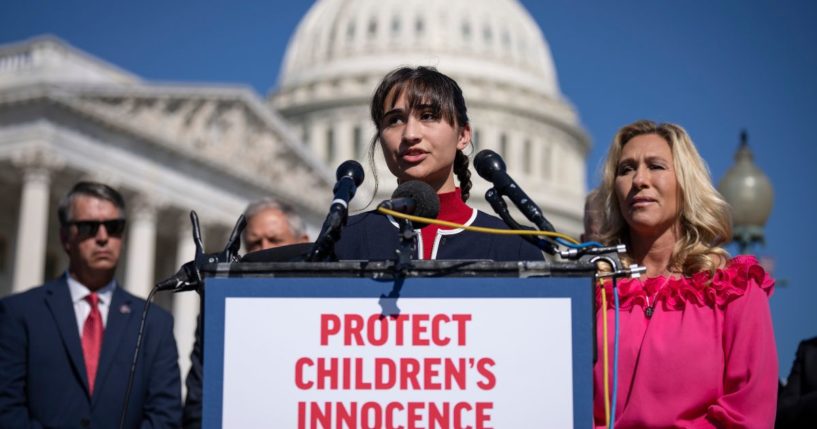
(349, 176)
(491, 167)
(189, 275)
(498, 204)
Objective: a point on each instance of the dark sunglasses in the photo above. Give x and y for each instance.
(89, 228)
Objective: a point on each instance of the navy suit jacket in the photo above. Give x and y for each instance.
(372, 236)
(797, 401)
(43, 381)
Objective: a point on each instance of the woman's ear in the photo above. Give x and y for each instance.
(465, 137)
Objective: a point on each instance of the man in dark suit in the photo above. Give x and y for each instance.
(66, 347)
(270, 225)
(797, 401)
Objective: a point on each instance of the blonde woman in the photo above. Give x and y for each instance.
(696, 341)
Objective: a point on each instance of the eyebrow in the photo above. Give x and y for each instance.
(652, 158)
(393, 111)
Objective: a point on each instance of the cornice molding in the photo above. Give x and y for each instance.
(213, 127)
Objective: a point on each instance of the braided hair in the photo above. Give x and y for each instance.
(463, 173)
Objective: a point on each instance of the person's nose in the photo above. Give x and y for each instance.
(411, 132)
(102, 235)
(641, 177)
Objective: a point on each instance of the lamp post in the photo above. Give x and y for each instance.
(749, 192)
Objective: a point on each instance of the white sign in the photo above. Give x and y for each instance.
(443, 363)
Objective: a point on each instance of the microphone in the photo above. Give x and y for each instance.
(414, 198)
(349, 176)
(491, 167)
(189, 275)
(187, 278)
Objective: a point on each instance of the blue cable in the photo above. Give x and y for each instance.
(615, 356)
(566, 243)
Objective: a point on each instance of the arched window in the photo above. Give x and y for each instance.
(330, 145)
(350, 31)
(528, 157)
(373, 27)
(466, 31)
(305, 135)
(395, 26)
(419, 26)
(545, 165)
(357, 143)
(487, 34)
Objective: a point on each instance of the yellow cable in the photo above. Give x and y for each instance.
(477, 228)
(604, 354)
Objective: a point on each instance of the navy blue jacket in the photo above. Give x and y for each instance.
(373, 236)
(43, 381)
(797, 401)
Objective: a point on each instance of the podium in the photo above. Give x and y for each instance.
(446, 344)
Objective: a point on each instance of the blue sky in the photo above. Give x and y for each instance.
(714, 67)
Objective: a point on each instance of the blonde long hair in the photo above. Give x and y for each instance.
(704, 217)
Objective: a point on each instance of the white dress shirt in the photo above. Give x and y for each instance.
(82, 308)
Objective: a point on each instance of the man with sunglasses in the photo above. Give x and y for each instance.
(66, 347)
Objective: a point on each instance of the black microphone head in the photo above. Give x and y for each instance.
(350, 168)
(428, 204)
(488, 163)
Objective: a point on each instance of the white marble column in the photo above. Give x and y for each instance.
(32, 230)
(185, 304)
(141, 242)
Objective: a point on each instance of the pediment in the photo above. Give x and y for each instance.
(228, 128)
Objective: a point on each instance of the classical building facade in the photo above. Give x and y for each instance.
(66, 116)
(171, 148)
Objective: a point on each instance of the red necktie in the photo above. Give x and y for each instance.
(92, 339)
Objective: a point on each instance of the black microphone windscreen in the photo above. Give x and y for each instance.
(487, 163)
(428, 204)
(350, 168)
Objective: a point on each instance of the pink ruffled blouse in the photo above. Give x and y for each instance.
(705, 358)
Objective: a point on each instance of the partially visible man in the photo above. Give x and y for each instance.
(66, 346)
(593, 215)
(797, 400)
(270, 224)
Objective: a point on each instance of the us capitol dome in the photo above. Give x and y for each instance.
(492, 48)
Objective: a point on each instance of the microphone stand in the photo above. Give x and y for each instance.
(324, 247)
(349, 176)
(498, 204)
(405, 250)
(187, 278)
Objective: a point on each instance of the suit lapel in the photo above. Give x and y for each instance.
(119, 314)
(58, 300)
